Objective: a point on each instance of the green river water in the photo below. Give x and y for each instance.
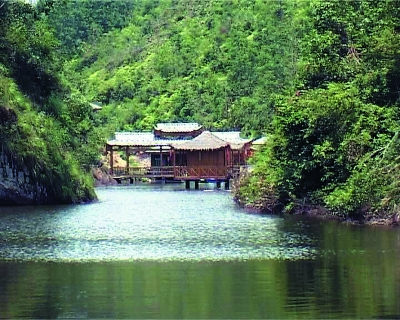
(160, 251)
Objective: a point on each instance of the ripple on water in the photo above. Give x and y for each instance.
(153, 223)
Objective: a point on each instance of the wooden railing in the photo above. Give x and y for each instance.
(139, 172)
(180, 172)
(161, 172)
(201, 172)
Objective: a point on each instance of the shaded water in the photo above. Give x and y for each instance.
(160, 251)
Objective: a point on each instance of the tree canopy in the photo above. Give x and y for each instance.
(336, 143)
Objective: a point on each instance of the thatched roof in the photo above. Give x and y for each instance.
(177, 127)
(205, 141)
(233, 138)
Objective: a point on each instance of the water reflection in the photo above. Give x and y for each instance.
(195, 256)
(149, 223)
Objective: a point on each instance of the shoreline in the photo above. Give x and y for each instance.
(321, 213)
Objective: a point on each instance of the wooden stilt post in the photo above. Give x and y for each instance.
(187, 184)
(127, 160)
(161, 162)
(196, 184)
(218, 184)
(227, 184)
(111, 161)
(174, 161)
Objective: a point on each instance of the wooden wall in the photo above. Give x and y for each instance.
(206, 158)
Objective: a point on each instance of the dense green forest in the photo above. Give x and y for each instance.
(336, 144)
(318, 78)
(220, 63)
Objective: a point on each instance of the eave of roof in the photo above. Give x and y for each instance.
(154, 143)
(205, 141)
(139, 139)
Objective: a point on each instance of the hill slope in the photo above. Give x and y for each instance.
(220, 63)
(42, 122)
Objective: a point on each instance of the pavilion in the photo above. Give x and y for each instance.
(180, 151)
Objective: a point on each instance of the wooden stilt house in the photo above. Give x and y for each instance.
(180, 151)
(204, 157)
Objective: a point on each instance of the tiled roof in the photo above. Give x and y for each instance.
(205, 141)
(134, 136)
(177, 127)
(139, 139)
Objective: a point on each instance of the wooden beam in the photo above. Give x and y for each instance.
(227, 184)
(127, 159)
(111, 161)
(174, 161)
(161, 156)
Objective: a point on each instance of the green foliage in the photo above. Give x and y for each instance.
(259, 188)
(40, 146)
(220, 63)
(43, 125)
(335, 143)
(373, 187)
(79, 22)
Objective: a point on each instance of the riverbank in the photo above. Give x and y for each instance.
(317, 211)
(321, 212)
(268, 203)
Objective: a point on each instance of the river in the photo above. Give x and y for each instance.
(160, 251)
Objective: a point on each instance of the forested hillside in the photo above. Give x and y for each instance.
(220, 63)
(43, 122)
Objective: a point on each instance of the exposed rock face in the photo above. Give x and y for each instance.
(12, 195)
(15, 185)
(101, 176)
